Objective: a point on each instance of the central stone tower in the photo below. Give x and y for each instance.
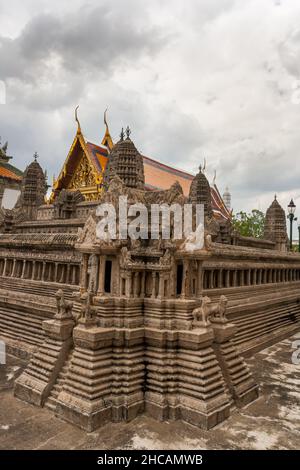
(126, 162)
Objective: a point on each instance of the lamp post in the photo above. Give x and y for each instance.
(299, 237)
(292, 218)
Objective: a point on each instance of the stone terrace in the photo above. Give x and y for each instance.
(271, 422)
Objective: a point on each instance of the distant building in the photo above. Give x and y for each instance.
(227, 198)
(10, 178)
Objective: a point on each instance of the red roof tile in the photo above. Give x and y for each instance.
(161, 176)
(6, 173)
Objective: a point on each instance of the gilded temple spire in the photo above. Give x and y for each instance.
(107, 140)
(77, 120)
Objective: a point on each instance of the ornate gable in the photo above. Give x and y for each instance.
(84, 175)
(79, 171)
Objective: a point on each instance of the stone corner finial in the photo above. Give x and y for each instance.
(122, 134)
(128, 132)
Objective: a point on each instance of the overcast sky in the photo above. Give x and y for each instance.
(213, 78)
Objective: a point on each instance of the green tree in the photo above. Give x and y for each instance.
(251, 224)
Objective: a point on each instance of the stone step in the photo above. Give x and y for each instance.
(50, 403)
(268, 326)
(19, 334)
(262, 332)
(253, 318)
(58, 385)
(19, 315)
(26, 323)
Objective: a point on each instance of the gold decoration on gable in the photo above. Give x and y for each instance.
(84, 176)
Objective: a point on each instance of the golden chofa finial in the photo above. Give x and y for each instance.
(107, 140)
(105, 120)
(77, 120)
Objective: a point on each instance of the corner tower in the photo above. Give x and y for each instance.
(275, 226)
(200, 193)
(33, 191)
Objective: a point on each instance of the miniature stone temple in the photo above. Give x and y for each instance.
(113, 328)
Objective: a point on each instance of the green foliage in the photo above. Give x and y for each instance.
(250, 225)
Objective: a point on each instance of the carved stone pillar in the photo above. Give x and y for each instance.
(68, 274)
(227, 282)
(135, 284)
(219, 278)
(23, 269)
(153, 294)
(4, 267)
(235, 278)
(62, 274)
(200, 278)
(129, 285)
(161, 285)
(249, 277)
(33, 271)
(50, 270)
(43, 271)
(55, 272)
(74, 267)
(254, 280)
(101, 275)
(143, 279)
(211, 279)
(259, 276)
(84, 272)
(185, 280)
(12, 274)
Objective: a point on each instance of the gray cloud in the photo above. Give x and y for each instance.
(215, 78)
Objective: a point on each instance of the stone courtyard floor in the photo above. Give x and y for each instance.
(271, 422)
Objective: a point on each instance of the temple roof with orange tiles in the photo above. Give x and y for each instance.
(8, 172)
(86, 162)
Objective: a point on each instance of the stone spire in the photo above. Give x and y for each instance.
(200, 193)
(275, 226)
(126, 162)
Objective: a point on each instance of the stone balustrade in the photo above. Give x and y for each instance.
(45, 271)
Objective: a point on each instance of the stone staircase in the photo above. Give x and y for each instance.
(51, 401)
(21, 331)
(263, 314)
(44, 289)
(24, 304)
(255, 327)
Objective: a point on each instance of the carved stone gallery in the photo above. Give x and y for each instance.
(115, 328)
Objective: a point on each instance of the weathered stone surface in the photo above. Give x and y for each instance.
(139, 325)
